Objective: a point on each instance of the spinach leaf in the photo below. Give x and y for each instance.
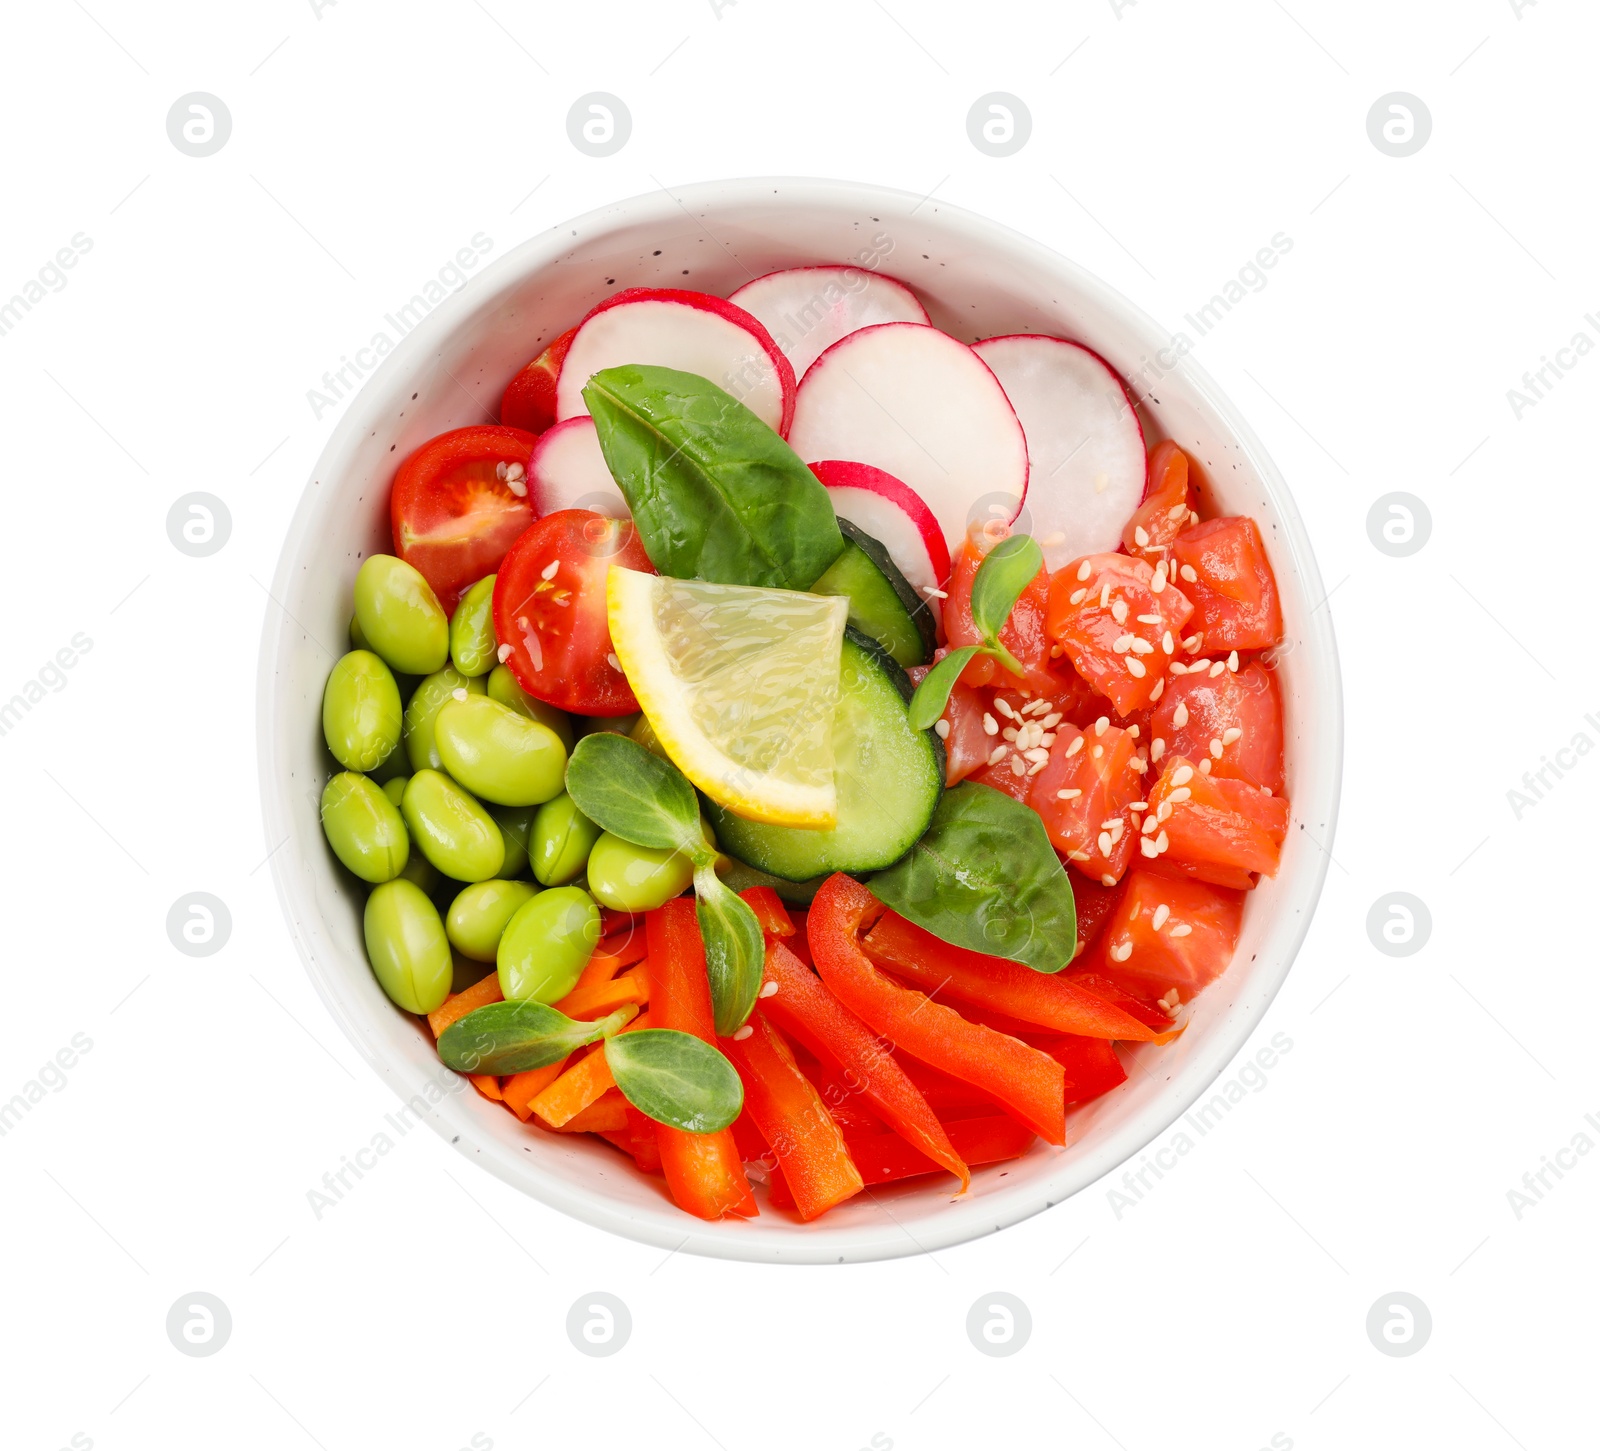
(985, 876)
(928, 704)
(512, 1037)
(1006, 571)
(637, 795)
(676, 1079)
(633, 793)
(714, 492)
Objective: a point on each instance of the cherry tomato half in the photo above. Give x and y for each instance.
(550, 608)
(530, 397)
(453, 511)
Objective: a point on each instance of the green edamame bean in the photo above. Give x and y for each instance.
(645, 734)
(423, 708)
(364, 828)
(452, 830)
(561, 841)
(361, 718)
(472, 641)
(407, 946)
(504, 688)
(516, 826)
(546, 944)
(479, 914)
(636, 878)
(401, 616)
(497, 754)
(394, 788)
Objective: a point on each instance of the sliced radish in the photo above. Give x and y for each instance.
(568, 471)
(880, 505)
(808, 309)
(912, 401)
(690, 331)
(1084, 442)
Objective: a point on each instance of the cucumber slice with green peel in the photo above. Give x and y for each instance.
(888, 777)
(883, 603)
(740, 876)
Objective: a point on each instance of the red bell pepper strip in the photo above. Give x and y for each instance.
(1091, 1065)
(1154, 1018)
(1026, 1081)
(704, 1171)
(883, 1158)
(768, 907)
(805, 1009)
(792, 1119)
(1006, 987)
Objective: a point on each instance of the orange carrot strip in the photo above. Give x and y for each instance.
(488, 1085)
(627, 947)
(483, 992)
(521, 1089)
(605, 997)
(579, 1086)
(608, 1114)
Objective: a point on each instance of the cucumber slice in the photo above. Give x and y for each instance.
(883, 604)
(888, 776)
(741, 875)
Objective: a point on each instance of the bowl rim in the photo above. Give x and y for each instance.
(774, 1241)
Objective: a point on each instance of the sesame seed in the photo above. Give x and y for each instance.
(1178, 667)
(1205, 767)
(1158, 581)
(1139, 764)
(1180, 794)
(1180, 717)
(1183, 929)
(1048, 738)
(1037, 753)
(1138, 806)
(740, 1034)
(768, 989)
(1155, 694)
(1084, 570)
(1158, 748)
(941, 728)
(1218, 668)
(1197, 667)
(997, 755)
(500, 469)
(1105, 593)
(1133, 733)
(1009, 733)
(503, 653)
(550, 570)
(1097, 752)
(1101, 724)
(1119, 611)
(613, 662)
(1161, 843)
(933, 593)
(1177, 511)
(1077, 856)
(1112, 824)
(1019, 767)
(1193, 518)
(1038, 766)
(1107, 880)
(1122, 644)
(1164, 810)
(991, 727)
(516, 471)
(519, 487)
(1192, 643)
(1055, 652)
(1143, 647)
(1148, 848)
(1076, 597)
(459, 694)
(1004, 708)
(1071, 793)
(1159, 917)
(1140, 537)
(1183, 775)
(1135, 667)
(1215, 747)
(1166, 641)
(1051, 721)
(1076, 746)
(1230, 735)
(1121, 952)
(1233, 660)
(1186, 572)
(1104, 842)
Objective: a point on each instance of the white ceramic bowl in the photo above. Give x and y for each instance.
(976, 279)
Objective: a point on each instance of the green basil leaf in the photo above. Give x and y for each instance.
(985, 876)
(735, 948)
(676, 1079)
(634, 793)
(928, 704)
(1006, 571)
(714, 492)
(512, 1037)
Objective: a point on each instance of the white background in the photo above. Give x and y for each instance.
(1169, 143)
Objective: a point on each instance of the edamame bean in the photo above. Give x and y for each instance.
(400, 616)
(364, 828)
(547, 943)
(407, 946)
(516, 826)
(618, 725)
(644, 733)
(636, 878)
(394, 788)
(504, 688)
(472, 641)
(561, 841)
(497, 754)
(452, 830)
(361, 718)
(479, 914)
(422, 709)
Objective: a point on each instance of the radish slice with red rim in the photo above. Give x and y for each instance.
(568, 471)
(691, 331)
(880, 505)
(808, 309)
(912, 401)
(1085, 444)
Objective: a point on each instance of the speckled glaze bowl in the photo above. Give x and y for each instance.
(976, 279)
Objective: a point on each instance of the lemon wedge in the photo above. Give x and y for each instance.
(740, 686)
